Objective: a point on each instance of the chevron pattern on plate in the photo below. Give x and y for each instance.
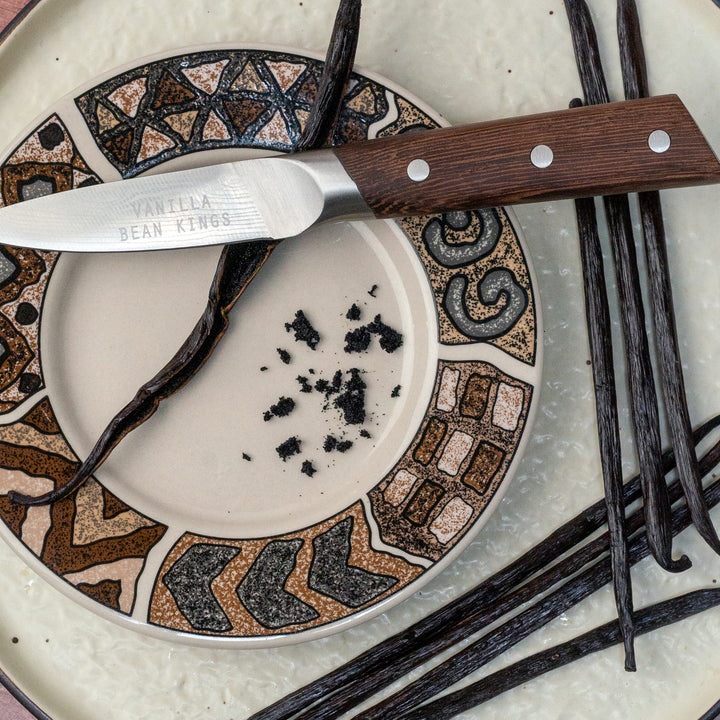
(276, 585)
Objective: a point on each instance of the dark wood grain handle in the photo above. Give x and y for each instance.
(596, 150)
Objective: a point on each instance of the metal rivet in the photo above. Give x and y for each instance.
(659, 141)
(418, 170)
(541, 156)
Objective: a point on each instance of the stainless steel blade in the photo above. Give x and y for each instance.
(275, 198)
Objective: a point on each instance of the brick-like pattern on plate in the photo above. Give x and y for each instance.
(457, 460)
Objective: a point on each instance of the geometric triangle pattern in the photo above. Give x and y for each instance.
(182, 123)
(215, 129)
(153, 143)
(206, 76)
(215, 99)
(46, 161)
(106, 118)
(248, 79)
(127, 97)
(170, 91)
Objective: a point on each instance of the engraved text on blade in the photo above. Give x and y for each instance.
(181, 214)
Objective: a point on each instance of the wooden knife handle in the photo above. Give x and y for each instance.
(596, 150)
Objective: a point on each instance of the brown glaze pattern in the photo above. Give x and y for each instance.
(92, 540)
(445, 479)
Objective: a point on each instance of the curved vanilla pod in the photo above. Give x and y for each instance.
(238, 265)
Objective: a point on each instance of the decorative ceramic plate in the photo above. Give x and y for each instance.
(358, 424)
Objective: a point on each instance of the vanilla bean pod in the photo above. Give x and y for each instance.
(335, 77)
(600, 638)
(643, 399)
(505, 636)
(714, 712)
(238, 265)
(363, 676)
(635, 82)
(597, 313)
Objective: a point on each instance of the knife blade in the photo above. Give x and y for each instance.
(630, 146)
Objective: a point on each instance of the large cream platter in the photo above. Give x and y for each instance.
(470, 61)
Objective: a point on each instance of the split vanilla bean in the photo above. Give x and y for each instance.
(641, 387)
(238, 265)
(359, 678)
(647, 620)
(635, 82)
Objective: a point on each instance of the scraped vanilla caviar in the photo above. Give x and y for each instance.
(289, 448)
(357, 340)
(353, 313)
(283, 407)
(352, 400)
(305, 386)
(345, 391)
(304, 331)
(390, 339)
(308, 468)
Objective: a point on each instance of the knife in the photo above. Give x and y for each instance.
(631, 146)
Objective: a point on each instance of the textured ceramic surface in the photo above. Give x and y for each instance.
(472, 61)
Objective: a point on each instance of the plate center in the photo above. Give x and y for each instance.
(218, 458)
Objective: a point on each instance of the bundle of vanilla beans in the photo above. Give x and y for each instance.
(641, 383)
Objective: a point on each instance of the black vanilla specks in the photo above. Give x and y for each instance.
(358, 340)
(283, 407)
(304, 331)
(289, 448)
(352, 399)
(345, 392)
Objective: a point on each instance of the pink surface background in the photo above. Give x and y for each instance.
(9, 9)
(13, 9)
(10, 709)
